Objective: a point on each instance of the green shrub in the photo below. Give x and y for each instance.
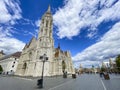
(102, 69)
(1, 69)
(118, 62)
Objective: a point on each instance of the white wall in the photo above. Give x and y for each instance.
(9, 64)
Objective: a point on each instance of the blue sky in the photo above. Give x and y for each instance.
(89, 29)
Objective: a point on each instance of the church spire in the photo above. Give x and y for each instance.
(49, 9)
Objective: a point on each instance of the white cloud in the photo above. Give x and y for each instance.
(92, 33)
(37, 23)
(35, 31)
(8, 44)
(87, 64)
(11, 45)
(9, 11)
(107, 47)
(77, 14)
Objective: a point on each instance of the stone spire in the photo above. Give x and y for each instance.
(49, 9)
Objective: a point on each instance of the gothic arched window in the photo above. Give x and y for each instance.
(63, 65)
(42, 20)
(30, 56)
(46, 23)
(40, 39)
(50, 23)
(41, 30)
(25, 65)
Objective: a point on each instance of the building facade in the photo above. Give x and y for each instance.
(2, 54)
(109, 64)
(30, 63)
(9, 63)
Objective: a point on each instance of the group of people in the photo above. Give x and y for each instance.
(105, 75)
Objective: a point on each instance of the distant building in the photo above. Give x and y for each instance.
(105, 64)
(112, 64)
(30, 63)
(109, 64)
(80, 69)
(9, 62)
(2, 54)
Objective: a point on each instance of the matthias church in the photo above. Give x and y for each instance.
(30, 63)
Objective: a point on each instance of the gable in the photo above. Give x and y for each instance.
(32, 43)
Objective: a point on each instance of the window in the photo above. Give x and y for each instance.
(12, 66)
(35, 66)
(30, 56)
(41, 30)
(40, 39)
(42, 20)
(45, 32)
(46, 23)
(24, 65)
(50, 23)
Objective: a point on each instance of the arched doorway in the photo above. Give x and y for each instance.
(1, 69)
(24, 68)
(63, 66)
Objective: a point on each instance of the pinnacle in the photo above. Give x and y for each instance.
(49, 9)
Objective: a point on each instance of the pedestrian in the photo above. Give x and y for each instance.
(101, 74)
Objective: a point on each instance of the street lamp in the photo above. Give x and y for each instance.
(44, 58)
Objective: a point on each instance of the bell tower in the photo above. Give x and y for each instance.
(45, 37)
(45, 43)
(45, 32)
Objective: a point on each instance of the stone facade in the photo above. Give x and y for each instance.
(30, 63)
(2, 54)
(109, 64)
(9, 63)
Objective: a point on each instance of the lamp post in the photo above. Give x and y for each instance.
(44, 58)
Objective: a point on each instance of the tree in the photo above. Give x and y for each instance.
(102, 69)
(118, 62)
(1, 69)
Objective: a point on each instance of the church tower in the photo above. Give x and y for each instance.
(45, 37)
(30, 63)
(46, 25)
(45, 42)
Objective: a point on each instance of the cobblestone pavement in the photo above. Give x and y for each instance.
(82, 82)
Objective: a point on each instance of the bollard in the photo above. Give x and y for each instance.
(106, 76)
(65, 75)
(40, 83)
(74, 76)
